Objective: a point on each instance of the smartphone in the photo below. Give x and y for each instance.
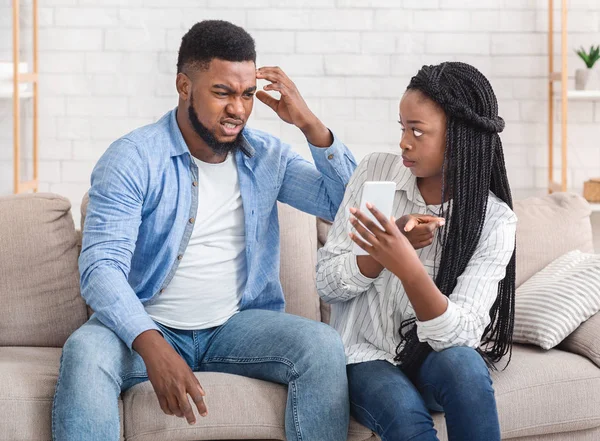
(381, 195)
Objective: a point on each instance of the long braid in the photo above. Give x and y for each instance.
(473, 165)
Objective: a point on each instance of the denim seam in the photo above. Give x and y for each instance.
(130, 376)
(196, 365)
(375, 423)
(293, 387)
(54, 401)
(255, 360)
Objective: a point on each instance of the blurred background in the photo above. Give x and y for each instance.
(108, 66)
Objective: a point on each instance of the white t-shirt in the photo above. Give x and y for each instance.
(208, 284)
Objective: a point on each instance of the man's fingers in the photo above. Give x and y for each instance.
(267, 99)
(186, 408)
(174, 406)
(164, 405)
(198, 394)
(271, 73)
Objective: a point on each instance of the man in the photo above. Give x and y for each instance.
(180, 257)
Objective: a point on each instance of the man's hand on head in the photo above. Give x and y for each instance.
(291, 107)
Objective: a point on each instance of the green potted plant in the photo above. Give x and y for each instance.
(585, 78)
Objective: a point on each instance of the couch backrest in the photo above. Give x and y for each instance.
(298, 235)
(548, 227)
(40, 304)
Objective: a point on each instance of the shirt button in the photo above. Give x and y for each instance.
(195, 184)
(161, 291)
(180, 257)
(330, 157)
(192, 220)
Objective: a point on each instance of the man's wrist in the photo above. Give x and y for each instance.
(147, 341)
(317, 133)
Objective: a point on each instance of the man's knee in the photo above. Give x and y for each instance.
(89, 350)
(321, 349)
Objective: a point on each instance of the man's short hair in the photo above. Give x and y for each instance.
(211, 39)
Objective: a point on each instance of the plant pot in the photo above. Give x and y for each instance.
(581, 78)
(593, 82)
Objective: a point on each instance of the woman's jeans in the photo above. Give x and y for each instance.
(305, 355)
(455, 381)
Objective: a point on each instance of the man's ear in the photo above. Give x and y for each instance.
(184, 86)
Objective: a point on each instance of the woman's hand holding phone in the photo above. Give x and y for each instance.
(386, 244)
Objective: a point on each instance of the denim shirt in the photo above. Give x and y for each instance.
(144, 198)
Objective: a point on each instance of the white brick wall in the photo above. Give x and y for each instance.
(107, 67)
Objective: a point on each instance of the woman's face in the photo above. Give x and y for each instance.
(423, 141)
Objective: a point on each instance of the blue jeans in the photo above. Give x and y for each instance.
(96, 367)
(455, 381)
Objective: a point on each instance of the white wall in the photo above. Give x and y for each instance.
(108, 66)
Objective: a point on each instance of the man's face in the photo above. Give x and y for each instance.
(220, 102)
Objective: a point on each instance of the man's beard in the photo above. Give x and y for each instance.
(219, 148)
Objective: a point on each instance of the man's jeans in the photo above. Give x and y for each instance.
(305, 355)
(455, 381)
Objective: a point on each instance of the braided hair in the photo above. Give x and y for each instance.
(473, 165)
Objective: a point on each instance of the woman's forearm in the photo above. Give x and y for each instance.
(425, 297)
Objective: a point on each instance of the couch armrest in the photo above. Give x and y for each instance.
(585, 340)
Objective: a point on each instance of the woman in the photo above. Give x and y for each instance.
(424, 314)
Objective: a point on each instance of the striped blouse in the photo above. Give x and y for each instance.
(368, 312)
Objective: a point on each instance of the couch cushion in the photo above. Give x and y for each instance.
(585, 340)
(298, 235)
(238, 408)
(543, 392)
(550, 226)
(26, 392)
(41, 304)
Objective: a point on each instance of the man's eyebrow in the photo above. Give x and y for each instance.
(230, 90)
(414, 121)
(224, 87)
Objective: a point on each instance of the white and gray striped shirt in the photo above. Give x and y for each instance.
(368, 312)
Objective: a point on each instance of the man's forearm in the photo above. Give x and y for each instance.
(317, 134)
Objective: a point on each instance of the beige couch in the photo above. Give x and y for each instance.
(547, 396)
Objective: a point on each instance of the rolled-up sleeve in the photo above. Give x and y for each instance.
(467, 315)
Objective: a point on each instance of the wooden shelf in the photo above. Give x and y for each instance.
(23, 95)
(583, 95)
